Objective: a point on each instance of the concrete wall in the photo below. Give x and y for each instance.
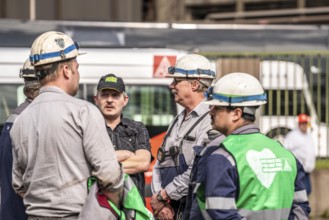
(319, 198)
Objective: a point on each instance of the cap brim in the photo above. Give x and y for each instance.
(110, 88)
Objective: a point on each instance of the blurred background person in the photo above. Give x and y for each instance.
(12, 206)
(299, 141)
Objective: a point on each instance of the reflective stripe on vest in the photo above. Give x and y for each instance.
(300, 196)
(266, 214)
(211, 202)
(220, 203)
(267, 173)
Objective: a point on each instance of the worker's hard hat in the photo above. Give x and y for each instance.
(303, 118)
(236, 89)
(52, 47)
(27, 71)
(192, 66)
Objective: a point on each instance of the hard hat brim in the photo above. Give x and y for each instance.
(189, 77)
(242, 104)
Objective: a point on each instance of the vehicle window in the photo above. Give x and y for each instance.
(285, 103)
(153, 105)
(11, 95)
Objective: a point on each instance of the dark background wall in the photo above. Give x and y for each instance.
(205, 11)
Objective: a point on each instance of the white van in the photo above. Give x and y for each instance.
(142, 69)
(288, 93)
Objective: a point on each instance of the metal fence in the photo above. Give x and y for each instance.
(294, 82)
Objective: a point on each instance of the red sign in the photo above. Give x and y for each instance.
(161, 64)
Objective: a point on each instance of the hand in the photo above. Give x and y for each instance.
(114, 196)
(167, 213)
(156, 205)
(123, 155)
(164, 195)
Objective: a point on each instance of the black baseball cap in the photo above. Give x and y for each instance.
(111, 81)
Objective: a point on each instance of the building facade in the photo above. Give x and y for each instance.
(203, 11)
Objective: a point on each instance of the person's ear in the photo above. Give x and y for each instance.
(126, 99)
(237, 114)
(66, 71)
(95, 97)
(195, 84)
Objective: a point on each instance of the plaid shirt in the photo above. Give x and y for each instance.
(131, 135)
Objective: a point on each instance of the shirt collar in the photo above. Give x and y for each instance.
(199, 110)
(246, 129)
(51, 89)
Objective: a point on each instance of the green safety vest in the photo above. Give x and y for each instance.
(133, 205)
(267, 173)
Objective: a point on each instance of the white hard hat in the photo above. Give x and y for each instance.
(192, 66)
(236, 89)
(52, 47)
(27, 71)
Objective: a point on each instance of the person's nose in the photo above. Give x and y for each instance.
(172, 85)
(109, 99)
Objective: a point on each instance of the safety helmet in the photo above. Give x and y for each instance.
(191, 66)
(52, 47)
(27, 72)
(303, 118)
(236, 89)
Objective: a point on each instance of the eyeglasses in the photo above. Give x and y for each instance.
(176, 81)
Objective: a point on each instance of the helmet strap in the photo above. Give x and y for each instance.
(42, 73)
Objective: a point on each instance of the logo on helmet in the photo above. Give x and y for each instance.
(60, 42)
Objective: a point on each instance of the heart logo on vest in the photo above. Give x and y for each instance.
(264, 164)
